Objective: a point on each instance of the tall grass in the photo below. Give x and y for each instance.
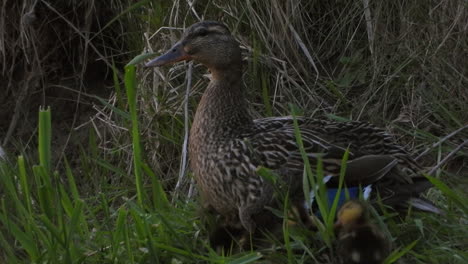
(44, 213)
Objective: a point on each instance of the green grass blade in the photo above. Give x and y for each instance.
(460, 201)
(181, 252)
(26, 241)
(124, 115)
(131, 86)
(118, 90)
(334, 206)
(71, 181)
(44, 191)
(249, 258)
(66, 203)
(45, 138)
(321, 196)
(55, 231)
(397, 254)
(118, 235)
(160, 200)
(8, 251)
(24, 183)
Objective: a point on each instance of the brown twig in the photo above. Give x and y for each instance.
(444, 160)
(442, 140)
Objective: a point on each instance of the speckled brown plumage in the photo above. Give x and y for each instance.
(227, 145)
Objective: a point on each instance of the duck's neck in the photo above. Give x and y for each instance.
(222, 110)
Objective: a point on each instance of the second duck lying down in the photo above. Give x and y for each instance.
(227, 145)
(358, 240)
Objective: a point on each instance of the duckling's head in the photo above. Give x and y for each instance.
(351, 213)
(208, 42)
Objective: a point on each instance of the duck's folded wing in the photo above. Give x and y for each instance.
(277, 149)
(361, 138)
(377, 160)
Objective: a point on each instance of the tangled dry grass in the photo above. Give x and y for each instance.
(57, 53)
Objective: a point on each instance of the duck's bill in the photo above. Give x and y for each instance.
(175, 54)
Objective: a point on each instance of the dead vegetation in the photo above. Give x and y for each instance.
(59, 54)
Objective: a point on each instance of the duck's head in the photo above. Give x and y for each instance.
(351, 213)
(207, 42)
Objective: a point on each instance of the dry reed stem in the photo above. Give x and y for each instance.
(369, 27)
(184, 158)
(447, 157)
(442, 140)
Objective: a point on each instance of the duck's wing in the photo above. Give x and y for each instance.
(275, 146)
(361, 138)
(374, 156)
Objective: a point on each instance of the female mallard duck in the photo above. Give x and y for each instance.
(358, 240)
(227, 145)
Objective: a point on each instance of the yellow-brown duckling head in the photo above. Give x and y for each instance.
(208, 42)
(353, 212)
(358, 240)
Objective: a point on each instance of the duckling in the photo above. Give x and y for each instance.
(359, 240)
(227, 145)
(225, 238)
(231, 237)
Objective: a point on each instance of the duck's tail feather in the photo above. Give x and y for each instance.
(404, 196)
(424, 205)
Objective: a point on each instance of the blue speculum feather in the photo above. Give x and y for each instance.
(352, 193)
